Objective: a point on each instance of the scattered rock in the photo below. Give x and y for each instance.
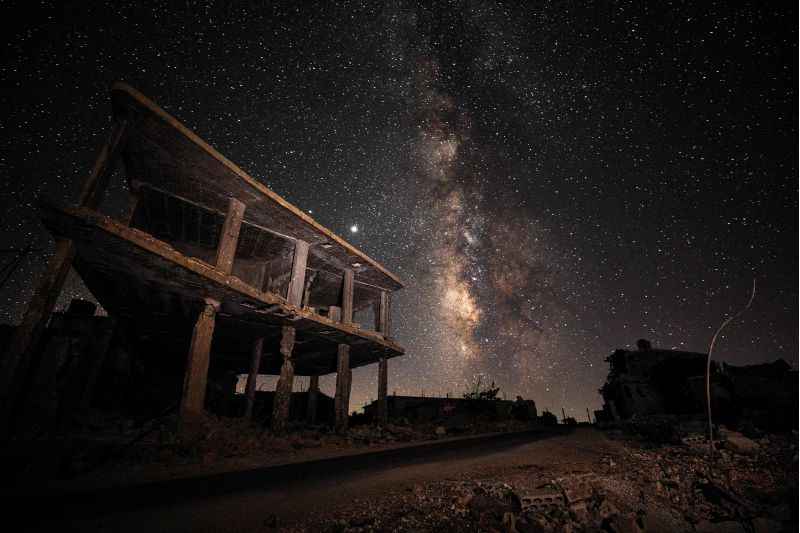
(765, 525)
(738, 443)
(728, 526)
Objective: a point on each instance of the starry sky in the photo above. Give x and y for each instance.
(551, 181)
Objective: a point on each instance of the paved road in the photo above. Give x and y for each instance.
(323, 488)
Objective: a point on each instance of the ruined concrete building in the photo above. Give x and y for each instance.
(650, 381)
(211, 269)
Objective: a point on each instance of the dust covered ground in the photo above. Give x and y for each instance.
(589, 481)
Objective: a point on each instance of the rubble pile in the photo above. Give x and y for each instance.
(398, 433)
(650, 382)
(749, 486)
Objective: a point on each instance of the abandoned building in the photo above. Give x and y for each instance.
(450, 411)
(649, 381)
(207, 274)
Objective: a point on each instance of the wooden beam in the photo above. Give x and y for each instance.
(347, 296)
(229, 236)
(26, 337)
(283, 390)
(383, 379)
(252, 377)
(202, 208)
(343, 383)
(297, 282)
(94, 188)
(194, 383)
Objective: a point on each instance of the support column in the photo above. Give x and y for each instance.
(313, 396)
(382, 327)
(194, 384)
(297, 282)
(383, 379)
(382, 314)
(347, 296)
(343, 373)
(252, 377)
(283, 391)
(343, 379)
(26, 337)
(229, 237)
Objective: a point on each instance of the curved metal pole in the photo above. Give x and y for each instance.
(708, 365)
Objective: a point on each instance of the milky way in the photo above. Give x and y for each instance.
(552, 182)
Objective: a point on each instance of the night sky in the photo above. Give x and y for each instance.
(551, 182)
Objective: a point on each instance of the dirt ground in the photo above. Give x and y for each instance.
(590, 482)
(582, 481)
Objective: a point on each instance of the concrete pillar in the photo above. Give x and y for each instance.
(229, 236)
(382, 314)
(194, 384)
(297, 282)
(313, 397)
(382, 327)
(347, 296)
(252, 377)
(343, 382)
(344, 375)
(383, 379)
(283, 391)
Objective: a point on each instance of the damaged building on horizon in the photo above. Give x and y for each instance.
(653, 382)
(205, 274)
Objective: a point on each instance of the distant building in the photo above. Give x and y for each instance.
(650, 381)
(428, 409)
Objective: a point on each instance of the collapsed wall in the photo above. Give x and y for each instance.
(652, 382)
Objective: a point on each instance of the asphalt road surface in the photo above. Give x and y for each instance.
(254, 503)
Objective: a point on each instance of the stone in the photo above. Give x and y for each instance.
(738, 443)
(510, 523)
(728, 526)
(766, 525)
(625, 524)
